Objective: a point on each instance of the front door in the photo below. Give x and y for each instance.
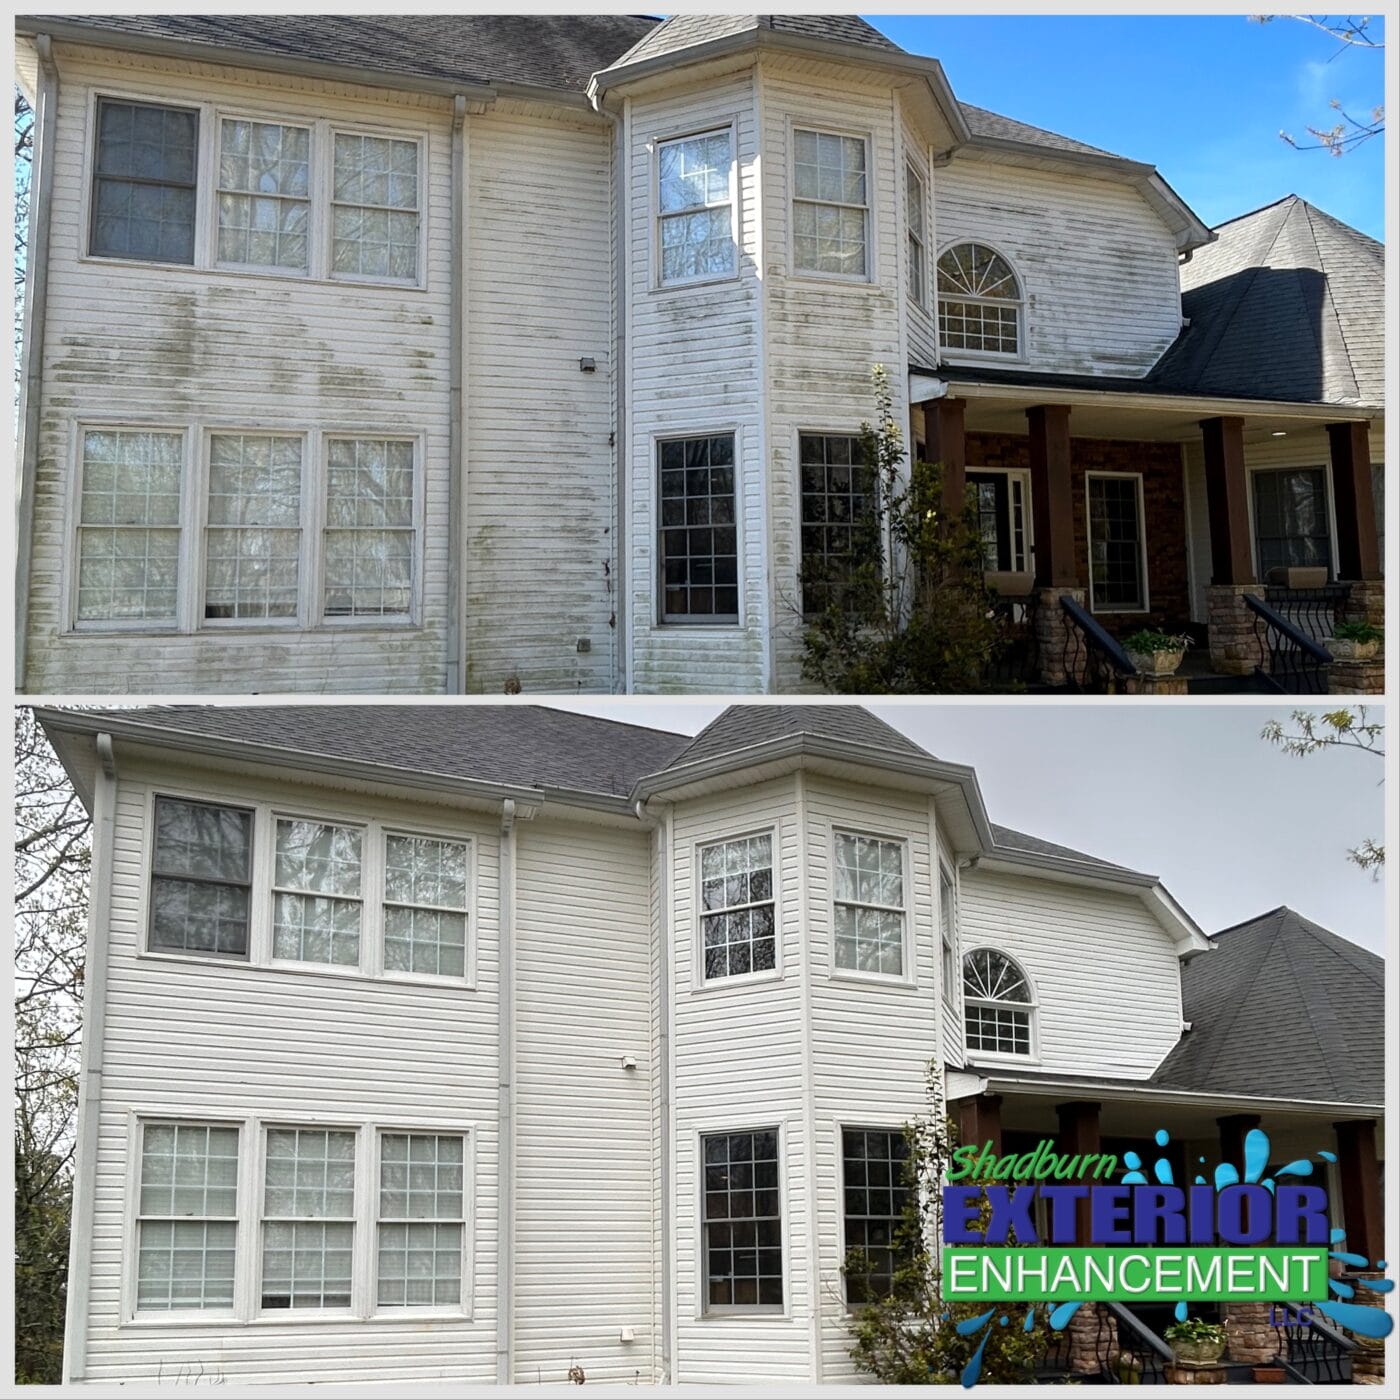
(1001, 515)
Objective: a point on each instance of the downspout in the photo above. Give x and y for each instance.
(663, 1070)
(36, 296)
(90, 1069)
(505, 1099)
(456, 441)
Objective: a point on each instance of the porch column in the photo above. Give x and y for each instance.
(945, 441)
(1234, 1128)
(1361, 1187)
(1358, 551)
(1052, 496)
(1079, 1133)
(979, 1121)
(1234, 643)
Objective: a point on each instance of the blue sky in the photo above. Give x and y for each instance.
(1202, 97)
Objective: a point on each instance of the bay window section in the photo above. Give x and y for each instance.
(129, 526)
(253, 538)
(831, 204)
(144, 182)
(743, 1227)
(869, 902)
(739, 931)
(369, 535)
(374, 208)
(421, 1215)
(695, 207)
(699, 541)
(187, 1209)
(308, 1225)
(425, 906)
(264, 195)
(316, 893)
(201, 878)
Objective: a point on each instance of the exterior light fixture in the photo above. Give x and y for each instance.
(587, 364)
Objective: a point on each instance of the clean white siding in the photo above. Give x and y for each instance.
(195, 1038)
(694, 366)
(1104, 972)
(541, 559)
(1098, 267)
(175, 346)
(583, 1137)
(824, 336)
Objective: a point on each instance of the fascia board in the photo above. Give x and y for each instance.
(1146, 1091)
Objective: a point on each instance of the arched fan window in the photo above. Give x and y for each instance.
(979, 301)
(998, 1004)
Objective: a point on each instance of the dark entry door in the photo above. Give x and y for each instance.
(994, 517)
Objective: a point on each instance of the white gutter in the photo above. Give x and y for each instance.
(456, 440)
(99, 928)
(505, 1098)
(36, 298)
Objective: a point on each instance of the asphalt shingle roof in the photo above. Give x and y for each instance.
(1282, 1008)
(682, 32)
(742, 726)
(981, 122)
(1013, 841)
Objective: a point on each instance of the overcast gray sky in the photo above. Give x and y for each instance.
(1191, 793)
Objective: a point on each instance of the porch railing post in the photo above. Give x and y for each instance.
(1358, 548)
(1227, 501)
(1360, 1175)
(1079, 1134)
(945, 434)
(1052, 496)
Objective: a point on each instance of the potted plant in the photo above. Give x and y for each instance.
(1354, 641)
(1196, 1342)
(1155, 653)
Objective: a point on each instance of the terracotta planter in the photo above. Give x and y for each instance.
(1344, 649)
(1202, 1353)
(1269, 1375)
(1157, 663)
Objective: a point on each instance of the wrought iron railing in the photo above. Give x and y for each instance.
(1312, 1351)
(1313, 611)
(1017, 660)
(1290, 661)
(1093, 661)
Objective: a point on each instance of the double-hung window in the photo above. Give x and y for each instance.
(316, 892)
(948, 933)
(1117, 562)
(738, 927)
(695, 207)
(1291, 526)
(187, 1217)
(698, 538)
(368, 542)
(425, 906)
(421, 1214)
(873, 1164)
(839, 525)
(201, 878)
(915, 209)
(264, 195)
(870, 909)
(374, 208)
(743, 1224)
(308, 1225)
(831, 205)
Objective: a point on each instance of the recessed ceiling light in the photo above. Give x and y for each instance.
(1280, 433)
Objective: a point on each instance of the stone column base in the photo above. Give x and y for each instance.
(1235, 649)
(1052, 634)
(1365, 603)
(1250, 1337)
(1083, 1332)
(1154, 685)
(1198, 1375)
(1356, 677)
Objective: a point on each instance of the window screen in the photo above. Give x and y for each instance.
(200, 877)
(143, 197)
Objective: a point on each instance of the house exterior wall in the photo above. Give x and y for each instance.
(190, 349)
(1098, 266)
(1068, 938)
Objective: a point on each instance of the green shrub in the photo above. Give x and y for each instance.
(1357, 632)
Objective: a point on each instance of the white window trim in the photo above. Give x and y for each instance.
(912, 166)
(863, 1126)
(871, 276)
(952, 989)
(699, 983)
(905, 977)
(1022, 476)
(444, 979)
(189, 616)
(211, 116)
(1252, 470)
(265, 814)
(729, 125)
(729, 1312)
(1094, 607)
(1032, 1007)
(957, 355)
(247, 1311)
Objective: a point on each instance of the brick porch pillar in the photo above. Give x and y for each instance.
(1360, 1175)
(1079, 1133)
(1052, 511)
(945, 442)
(1234, 646)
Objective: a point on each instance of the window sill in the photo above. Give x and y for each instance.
(758, 1311)
(247, 629)
(980, 357)
(888, 980)
(695, 284)
(254, 274)
(994, 1061)
(836, 279)
(314, 1317)
(287, 968)
(739, 979)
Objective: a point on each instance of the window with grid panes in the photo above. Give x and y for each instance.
(374, 207)
(253, 538)
(425, 906)
(743, 1225)
(979, 301)
(143, 186)
(837, 521)
(914, 201)
(316, 892)
(873, 1162)
(368, 540)
(201, 877)
(695, 203)
(187, 1211)
(421, 1213)
(129, 525)
(738, 924)
(308, 1226)
(830, 208)
(264, 197)
(1116, 581)
(869, 904)
(997, 1004)
(948, 932)
(1291, 528)
(699, 549)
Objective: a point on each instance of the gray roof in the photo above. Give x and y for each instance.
(558, 52)
(1019, 841)
(993, 125)
(743, 726)
(682, 32)
(1287, 303)
(1282, 1008)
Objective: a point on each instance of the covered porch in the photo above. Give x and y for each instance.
(1107, 507)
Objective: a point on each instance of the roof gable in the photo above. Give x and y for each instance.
(681, 32)
(743, 727)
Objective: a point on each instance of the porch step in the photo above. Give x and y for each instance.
(1226, 685)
